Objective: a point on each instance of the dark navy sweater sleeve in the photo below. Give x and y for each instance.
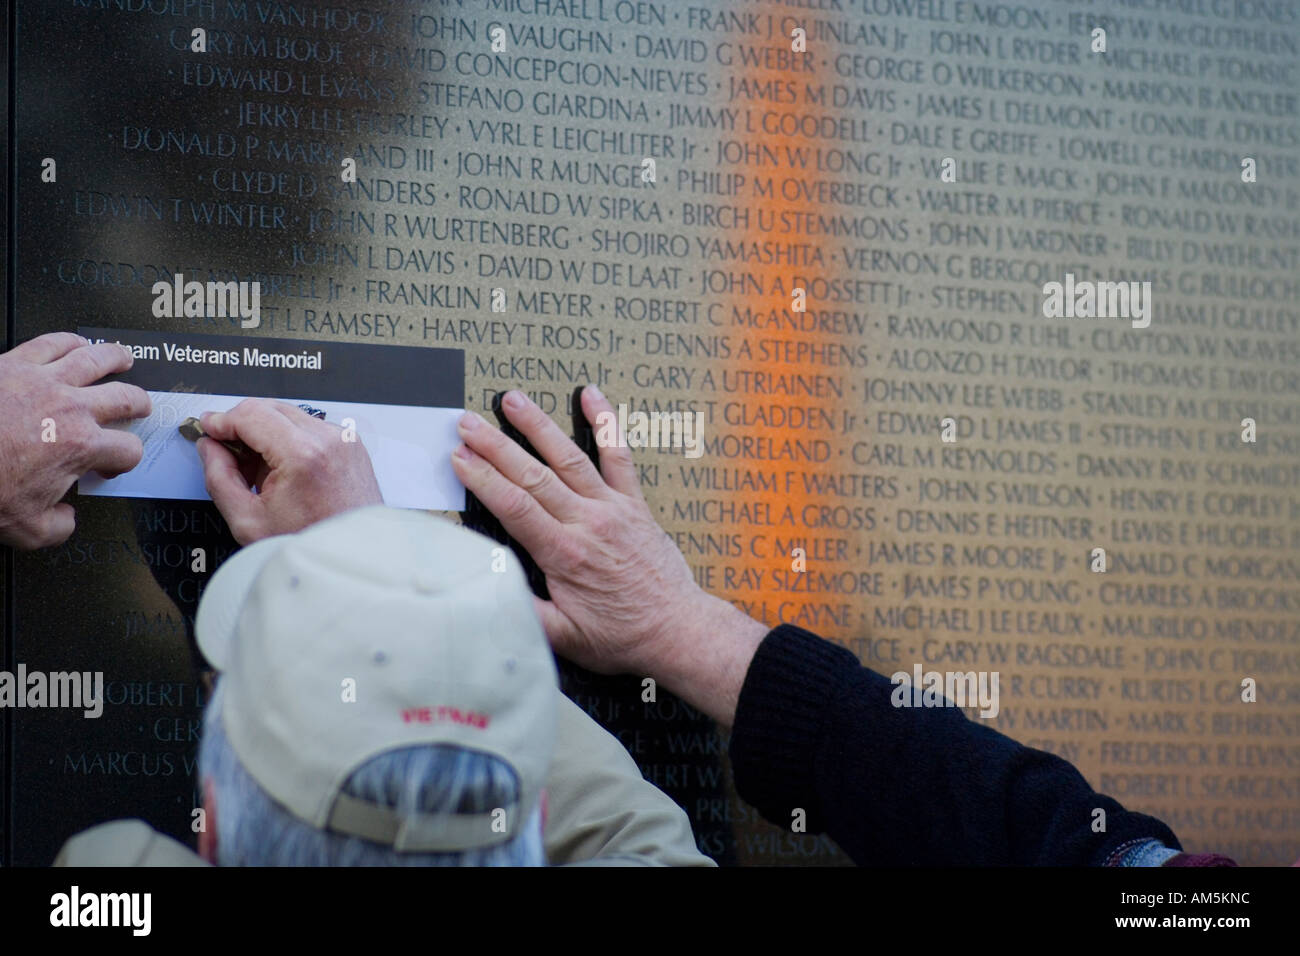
(899, 786)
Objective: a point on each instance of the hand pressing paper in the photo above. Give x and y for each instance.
(409, 444)
(409, 447)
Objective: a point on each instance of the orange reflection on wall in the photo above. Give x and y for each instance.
(789, 387)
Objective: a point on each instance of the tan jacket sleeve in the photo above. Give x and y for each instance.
(125, 843)
(600, 811)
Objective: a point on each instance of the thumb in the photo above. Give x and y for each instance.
(229, 491)
(559, 629)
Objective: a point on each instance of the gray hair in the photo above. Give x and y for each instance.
(254, 830)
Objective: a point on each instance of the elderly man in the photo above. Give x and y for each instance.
(387, 697)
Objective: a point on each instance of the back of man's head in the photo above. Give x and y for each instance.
(387, 698)
(252, 829)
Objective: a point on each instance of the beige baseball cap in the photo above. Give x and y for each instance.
(378, 629)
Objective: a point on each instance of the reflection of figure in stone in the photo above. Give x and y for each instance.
(387, 697)
(51, 431)
(812, 730)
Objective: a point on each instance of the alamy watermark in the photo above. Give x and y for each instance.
(75, 908)
(651, 430)
(946, 689)
(213, 300)
(1089, 300)
(79, 690)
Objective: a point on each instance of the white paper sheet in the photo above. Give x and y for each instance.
(410, 448)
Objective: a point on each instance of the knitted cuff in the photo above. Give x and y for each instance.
(783, 702)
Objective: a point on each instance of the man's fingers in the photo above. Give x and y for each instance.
(113, 452)
(294, 413)
(566, 459)
(520, 514)
(229, 489)
(117, 402)
(559, 629)
(615, 458)
(257, 423)
(519, 467)
(310, 423)
(46, 348)
(86, 366)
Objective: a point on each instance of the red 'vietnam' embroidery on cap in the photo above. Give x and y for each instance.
(431, 715)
